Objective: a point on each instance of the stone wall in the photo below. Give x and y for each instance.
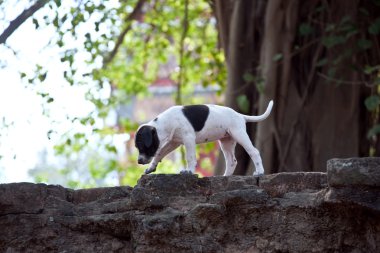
(287, 212)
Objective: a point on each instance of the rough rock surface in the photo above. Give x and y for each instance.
(354, 171)
(286, 212)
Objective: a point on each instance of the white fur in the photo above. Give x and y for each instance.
(223, 124)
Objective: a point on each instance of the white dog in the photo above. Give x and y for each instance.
(192, 124)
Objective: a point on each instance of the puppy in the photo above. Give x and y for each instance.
(193, 124)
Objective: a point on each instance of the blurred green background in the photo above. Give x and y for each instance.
(78, 77)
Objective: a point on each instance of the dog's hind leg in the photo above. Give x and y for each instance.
(243, 139)
(228, 147)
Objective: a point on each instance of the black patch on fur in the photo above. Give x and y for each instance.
(147, 141)
(196, 115)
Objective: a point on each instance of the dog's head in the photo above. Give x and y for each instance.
(147, 142)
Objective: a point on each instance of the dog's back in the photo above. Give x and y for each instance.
(209, 122)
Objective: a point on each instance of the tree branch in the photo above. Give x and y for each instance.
(15, 24)
(133, 15)
(222, 18)
(185, 24)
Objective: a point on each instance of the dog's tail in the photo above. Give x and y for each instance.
(260, 117)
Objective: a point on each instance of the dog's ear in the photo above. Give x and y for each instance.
(154, 133)
(147, 137)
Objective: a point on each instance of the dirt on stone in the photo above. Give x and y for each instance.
(337, 211)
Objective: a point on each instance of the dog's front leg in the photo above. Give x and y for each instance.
(190, 155)
(161, 153)
(152, 167)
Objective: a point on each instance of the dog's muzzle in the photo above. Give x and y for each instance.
(143, 160)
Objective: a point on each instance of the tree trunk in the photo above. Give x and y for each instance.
(316, 115)
(239, 24)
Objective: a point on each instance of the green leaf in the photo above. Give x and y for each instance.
(364, 44)
(331, 72)
(322, 62)
(345, 19)
(59, 149)
(36, 24)
(60, 43)
(50, 100)
(370, 69)
(377, 82)
(330, 27)
(49, 133)
(333, 40)
(351, 33)
(248, 77)
(374, 28)
(375, 130)
(305, 29)
(78, 136)
(43, 94)
(372, 102)
(58, 3)
(260, 85)
(42, 77)
(56, 21)
(111, 148)
(128, 125)
(243, 103)
(277, 57)
(73, 184)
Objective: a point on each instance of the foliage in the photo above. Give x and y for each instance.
(356, 40)
(118, 48)
(125, 45)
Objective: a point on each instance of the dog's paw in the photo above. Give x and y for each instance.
(259, 170)
(149, 170)
(186, 172)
